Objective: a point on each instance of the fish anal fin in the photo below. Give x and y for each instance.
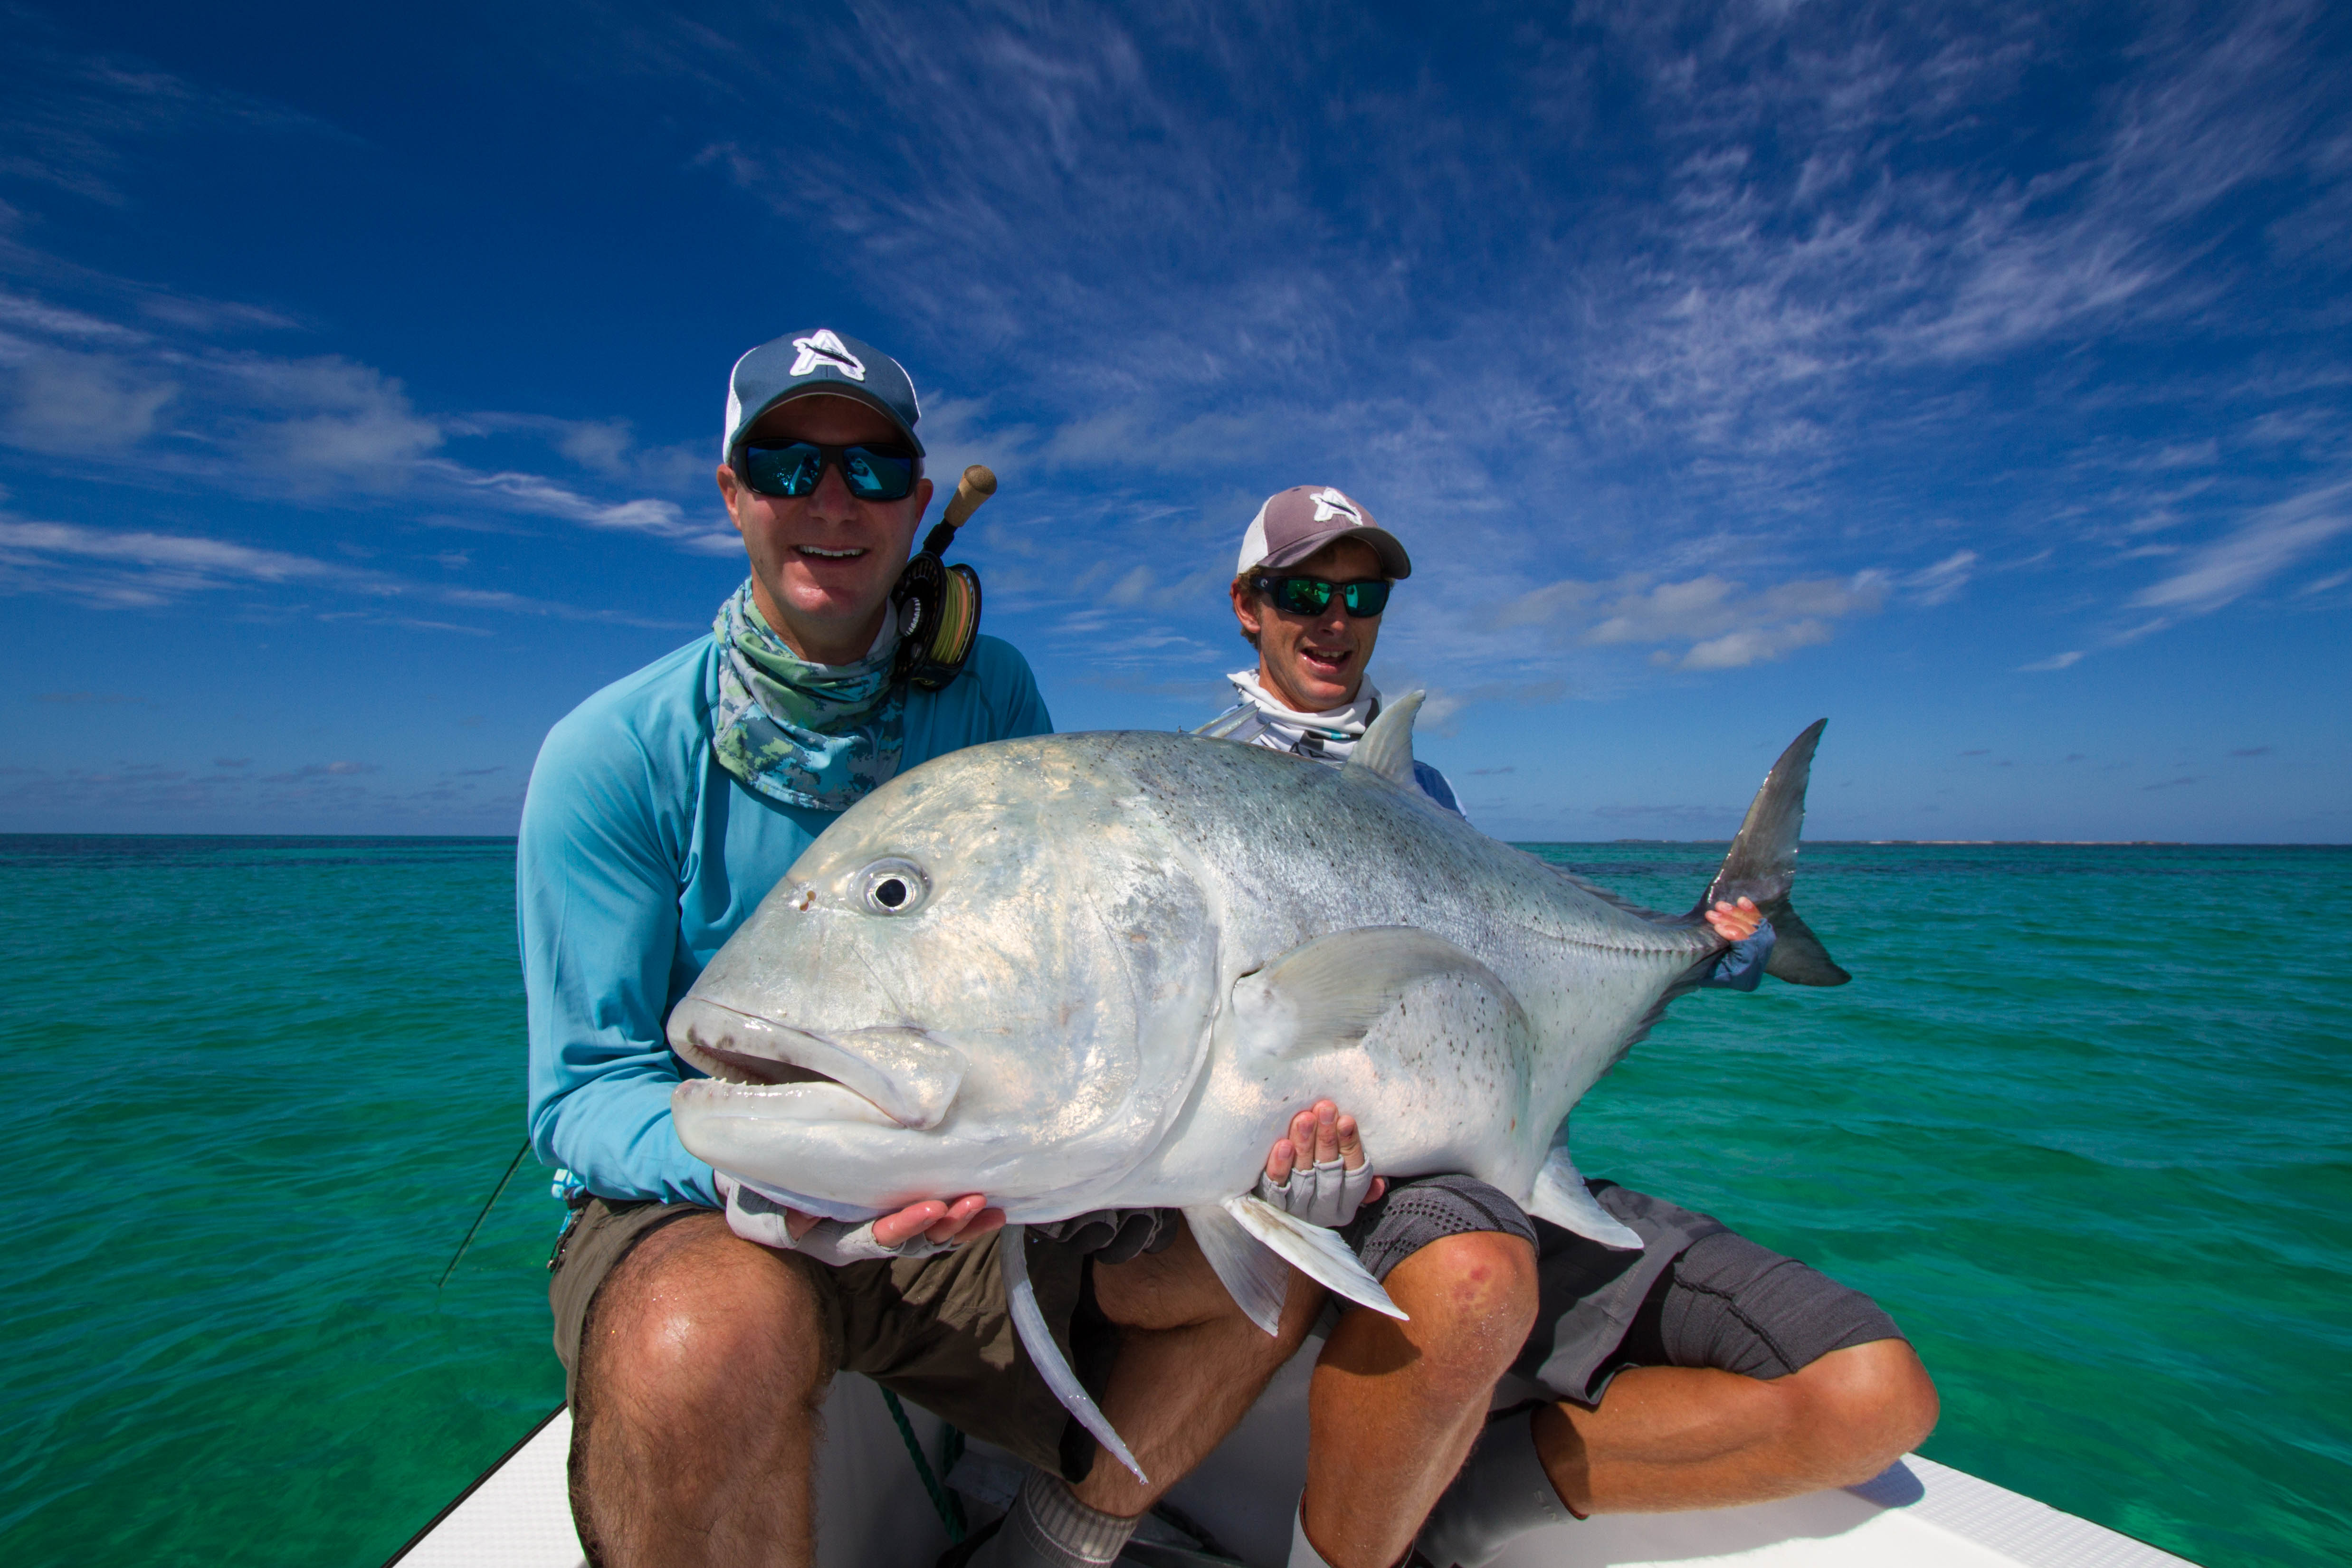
(1325, 995)
(1252, 1273)
(1029, 1323)
(1314, 1252)
(1561, 1196)
(1386, 748)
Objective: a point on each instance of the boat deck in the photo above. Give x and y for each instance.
(873, 1513)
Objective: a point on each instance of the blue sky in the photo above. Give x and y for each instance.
(1981, 378)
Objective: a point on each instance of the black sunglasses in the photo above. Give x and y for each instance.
(792, 469)
(1312, 595)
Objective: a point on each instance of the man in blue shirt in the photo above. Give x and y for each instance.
(1699, 1372)
(699, 1324)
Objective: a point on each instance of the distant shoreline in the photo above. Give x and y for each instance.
(6, 836)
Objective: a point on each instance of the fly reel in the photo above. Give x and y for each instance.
(938, 605)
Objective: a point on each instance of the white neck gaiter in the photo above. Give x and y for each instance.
(1332, 733)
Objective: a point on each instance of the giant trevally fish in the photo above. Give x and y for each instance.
(1091, 971)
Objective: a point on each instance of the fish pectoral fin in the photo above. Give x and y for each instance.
(1314, 1252)
(1257, 1279)
(1386, 747)
(1325, 994)
(1561, 1196)
(1029, 1323)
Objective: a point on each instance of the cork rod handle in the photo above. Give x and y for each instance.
(976, 486)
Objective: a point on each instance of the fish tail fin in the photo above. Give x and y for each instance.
(1798, 956)
(1762, 865)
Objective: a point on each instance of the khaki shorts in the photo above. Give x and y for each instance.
(934, 1331)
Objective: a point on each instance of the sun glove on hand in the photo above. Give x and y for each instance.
(1326, 1193)
(755, 1217)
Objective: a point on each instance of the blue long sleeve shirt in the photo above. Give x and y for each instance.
(638, 856)
(1742, 968)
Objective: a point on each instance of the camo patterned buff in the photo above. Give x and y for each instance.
(808, 735)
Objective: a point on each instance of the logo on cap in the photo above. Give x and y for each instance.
(821, 348)
(1330, 503)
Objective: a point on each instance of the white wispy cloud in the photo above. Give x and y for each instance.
(141, 566)
(1945, 580)
(131, 371)
(2266, 544)
(76, 122)
(1212, 248)
(317, 428)
(1694, 336)
(535, 493)
(51, 321)
(1719, 623)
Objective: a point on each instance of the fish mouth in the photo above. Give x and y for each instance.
(908, 1075)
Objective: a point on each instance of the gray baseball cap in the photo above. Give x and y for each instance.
(1300, 521)
(804, 364)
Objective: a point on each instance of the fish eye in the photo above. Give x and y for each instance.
(894, 886)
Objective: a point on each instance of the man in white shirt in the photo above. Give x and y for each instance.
(1309, 694)
(1701, 1372)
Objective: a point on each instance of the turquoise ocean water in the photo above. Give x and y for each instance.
(2084, 1123)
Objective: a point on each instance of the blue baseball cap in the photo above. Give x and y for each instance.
(805, 364)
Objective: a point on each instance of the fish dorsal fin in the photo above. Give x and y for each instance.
(1324, 995)
(1387, 746)
(1561, 1196)
(1315, 1252)
(1253, 1274)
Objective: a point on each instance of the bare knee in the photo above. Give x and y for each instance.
(700, 1330)
(1862, 1407)
(1471, 1298)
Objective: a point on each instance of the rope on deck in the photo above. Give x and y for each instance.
(949, 1507)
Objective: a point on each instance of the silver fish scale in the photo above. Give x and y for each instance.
(1318, 848)
(1321, 850)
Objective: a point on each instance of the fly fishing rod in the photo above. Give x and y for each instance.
(512, 1166)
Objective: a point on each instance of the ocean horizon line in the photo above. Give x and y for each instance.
(7, 834)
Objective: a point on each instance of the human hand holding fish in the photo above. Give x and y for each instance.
(917, 1230)
(1324, 1152)
(1736, 922)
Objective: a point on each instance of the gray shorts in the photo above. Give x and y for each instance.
(1697, 1295)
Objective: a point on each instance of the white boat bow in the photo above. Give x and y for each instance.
(873, 1513)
